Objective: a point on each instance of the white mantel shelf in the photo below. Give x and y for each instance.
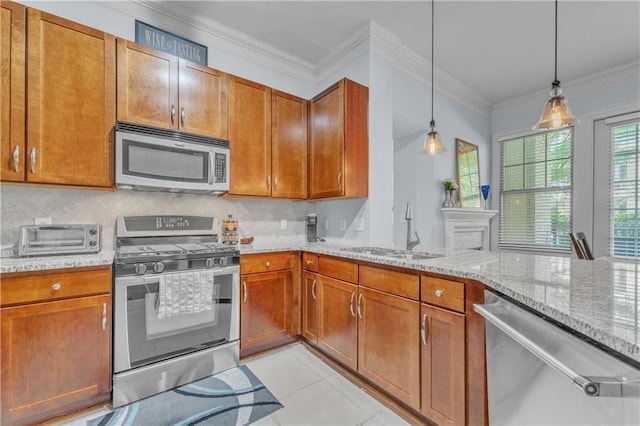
(467, 228)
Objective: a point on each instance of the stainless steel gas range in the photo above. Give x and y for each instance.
(176, 304)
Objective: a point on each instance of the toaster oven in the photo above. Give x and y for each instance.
(40, 240)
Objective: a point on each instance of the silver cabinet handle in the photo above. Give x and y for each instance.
(340, 180)
(173, 114)
(183, 115)
(244, 285)
(359, 302)
(313, 290)
(56, 286)
(269, 182)
(275, 183)
(353, 314)
(32, 160)
(104, 316)
(423, 330)
(439, 293)
(16, 158)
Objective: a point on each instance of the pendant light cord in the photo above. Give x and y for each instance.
(432, 44)
(555, 79)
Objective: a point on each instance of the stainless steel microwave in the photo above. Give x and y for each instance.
(154, 159)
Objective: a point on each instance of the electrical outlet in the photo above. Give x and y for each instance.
(42, 221)
(283, 224)
(343, 225)
(358, 224)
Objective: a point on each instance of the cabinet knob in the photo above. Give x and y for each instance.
(439, 293)
(56, 286)
(309, 262)
(267, 264)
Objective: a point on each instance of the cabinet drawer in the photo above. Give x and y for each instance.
(398, 283)
(310, 262)
(340, 269)
(265, 262)
(34, 287)
(444, 293)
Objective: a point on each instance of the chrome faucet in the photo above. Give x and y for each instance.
(407, 216)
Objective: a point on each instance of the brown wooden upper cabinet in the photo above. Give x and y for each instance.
(70, 100)
(268, 141)
(12, 91)
(338, 142)
(162, 90)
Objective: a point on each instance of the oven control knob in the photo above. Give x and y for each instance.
(209, 262)
(158, 267)
(223, 261)
(140, 268)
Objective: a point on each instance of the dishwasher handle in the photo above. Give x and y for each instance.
(590, 385)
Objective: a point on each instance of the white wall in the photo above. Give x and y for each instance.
(613, 94)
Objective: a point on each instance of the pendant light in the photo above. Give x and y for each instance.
(556, 113)
(432, 145)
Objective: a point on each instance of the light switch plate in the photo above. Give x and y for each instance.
(283, 224)
(343, 225)
(358, 224)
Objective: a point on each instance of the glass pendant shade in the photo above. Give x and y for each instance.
(432, 145)
(556, 113)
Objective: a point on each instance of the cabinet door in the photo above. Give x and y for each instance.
(12, 91)
(310, 307)
(443, 366)
(337, 322)
(203, 100)
(147, 86)
(389, 343)
(55, 357)
(249, 138)
(266, 313)
(288, 145)
(70, 102)
(326, 143)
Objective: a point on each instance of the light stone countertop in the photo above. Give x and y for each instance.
(597, 298)
(27, 264)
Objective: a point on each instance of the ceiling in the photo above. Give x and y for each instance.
(499, 50)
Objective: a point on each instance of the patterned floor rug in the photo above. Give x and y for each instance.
(232, 397)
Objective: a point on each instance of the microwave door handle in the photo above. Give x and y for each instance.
(211, 171)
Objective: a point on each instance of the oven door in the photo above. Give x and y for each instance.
(142, 336)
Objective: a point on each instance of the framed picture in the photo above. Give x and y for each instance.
(165, 41)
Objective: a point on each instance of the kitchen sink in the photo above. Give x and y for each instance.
(395, 253)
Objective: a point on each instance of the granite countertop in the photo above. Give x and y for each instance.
(598, 298)
(26, 264)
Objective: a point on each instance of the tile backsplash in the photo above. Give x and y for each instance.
(261, 218)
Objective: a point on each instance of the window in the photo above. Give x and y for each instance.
(536, 191)
(624, 238)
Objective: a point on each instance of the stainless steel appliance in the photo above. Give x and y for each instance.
(40, 240)
(312, 227)
(154, 159)
(539, 374)
(176, 304)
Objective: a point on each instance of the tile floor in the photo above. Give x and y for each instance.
(312, 393)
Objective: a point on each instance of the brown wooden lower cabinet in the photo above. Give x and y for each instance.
(389, 343)
(337, 320)
(443, 366)
(56, 353)
(310, 307)
(266, 313)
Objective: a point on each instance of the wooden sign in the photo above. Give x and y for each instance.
(170, 43)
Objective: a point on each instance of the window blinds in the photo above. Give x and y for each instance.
(624, 212)
(536, 191)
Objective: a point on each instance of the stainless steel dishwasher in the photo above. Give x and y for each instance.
(539, 374)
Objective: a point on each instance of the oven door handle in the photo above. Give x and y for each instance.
(127, 281)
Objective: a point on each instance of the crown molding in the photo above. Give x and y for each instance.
(600, 80)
